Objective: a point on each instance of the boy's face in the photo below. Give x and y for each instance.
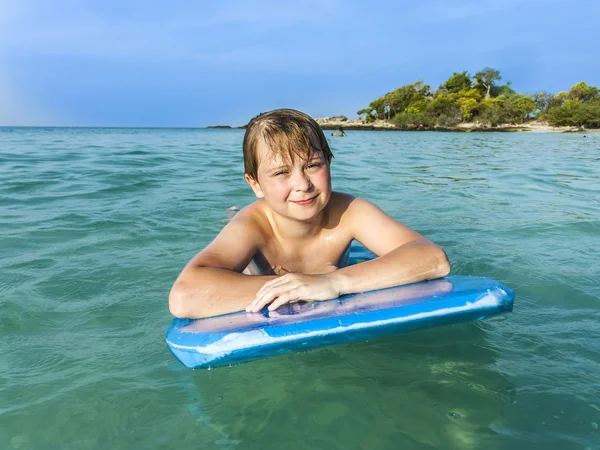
(298, 190)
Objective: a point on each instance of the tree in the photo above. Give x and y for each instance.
(388, 108)
(544, 101)
(468, 106)
(404, 96)
(520, 107)
(486, 78)
(459, 81)
(415, 115)
(444, 109)
(583, 92)
(579, 106)
(576, 113)
(470, 103)
(504, 89)
(368, 113)
(378, 106)
(494, 111)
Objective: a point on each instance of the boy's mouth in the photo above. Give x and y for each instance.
(306, 202)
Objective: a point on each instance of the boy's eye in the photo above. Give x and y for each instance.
(280, 172)
(314, 164)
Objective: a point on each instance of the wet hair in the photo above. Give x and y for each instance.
(288, 133)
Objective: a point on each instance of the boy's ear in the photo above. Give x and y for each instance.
(254, 185)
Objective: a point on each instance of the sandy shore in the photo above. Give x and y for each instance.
(334, 123)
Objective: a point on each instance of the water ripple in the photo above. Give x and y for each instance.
(95, 225)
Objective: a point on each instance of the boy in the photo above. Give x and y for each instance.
(297, 234)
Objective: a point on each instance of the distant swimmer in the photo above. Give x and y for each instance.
(340, 133)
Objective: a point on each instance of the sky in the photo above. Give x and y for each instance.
(190, 63)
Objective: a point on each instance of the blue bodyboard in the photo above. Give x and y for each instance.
(237, 337)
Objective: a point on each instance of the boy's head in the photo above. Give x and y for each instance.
(289, 134)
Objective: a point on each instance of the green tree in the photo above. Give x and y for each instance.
(444, 110)
(576, 113)
(544, 101)
(579, 106)
(520, 107)
(486, 79)
(404, 96)
(367, 112)
(583, 92)
(378, 106)
(459, 81)
(415, 115)
(468, 107)
(469, 102)
(494, 111)
(504, 89)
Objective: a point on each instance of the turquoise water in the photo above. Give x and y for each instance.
(95, 224)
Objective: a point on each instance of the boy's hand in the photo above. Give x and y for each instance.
(291, 288)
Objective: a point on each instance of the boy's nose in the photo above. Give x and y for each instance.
(301, 181)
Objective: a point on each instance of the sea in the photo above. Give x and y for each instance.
(96, 224)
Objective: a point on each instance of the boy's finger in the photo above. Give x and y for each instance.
(270, 284)
(279, 302)
(252, 306)
(261, 294)
(260, 302)
(272, 290)
(264, 288)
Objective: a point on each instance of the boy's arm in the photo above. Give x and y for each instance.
(404, 256)
(211, 283)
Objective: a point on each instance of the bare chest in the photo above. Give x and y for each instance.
(310, 257)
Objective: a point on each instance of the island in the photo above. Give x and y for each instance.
(476, 103)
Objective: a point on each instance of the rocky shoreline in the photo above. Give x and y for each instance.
(335, 123)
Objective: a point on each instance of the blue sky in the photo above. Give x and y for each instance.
(197, 63)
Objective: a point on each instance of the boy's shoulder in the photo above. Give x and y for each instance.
(347, 205)
(254, 218)
(341, 199)
(252, 215)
